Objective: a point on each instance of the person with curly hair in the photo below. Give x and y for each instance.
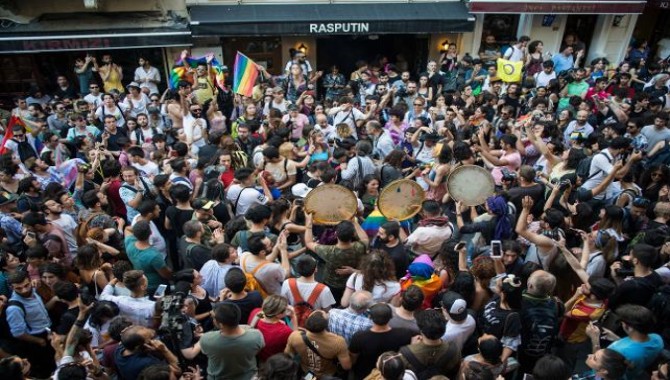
(483, 270)
(377, 275)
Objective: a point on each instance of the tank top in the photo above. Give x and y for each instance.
(113, 81)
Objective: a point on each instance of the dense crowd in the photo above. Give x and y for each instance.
(151, 235)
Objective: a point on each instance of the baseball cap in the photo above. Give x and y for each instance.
(455, 305)
(203, 204)
(300, 190)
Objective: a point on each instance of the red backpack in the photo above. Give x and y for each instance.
(301, 308)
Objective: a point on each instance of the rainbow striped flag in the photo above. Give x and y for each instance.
(245, 75)
(179, 71)
(9, 132)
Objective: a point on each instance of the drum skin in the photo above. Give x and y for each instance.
(470, 184)
(331, 204)
(401, 199)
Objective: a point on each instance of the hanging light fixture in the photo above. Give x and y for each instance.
(302, 48)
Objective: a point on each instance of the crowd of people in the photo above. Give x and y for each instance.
(151, 235)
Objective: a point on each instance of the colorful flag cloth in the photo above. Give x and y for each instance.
(9, 132)
(509, 71)
(375, 220)
(245, 74)
(179, 71)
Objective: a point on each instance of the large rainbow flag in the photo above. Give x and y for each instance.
(179, 71)
(245, 75)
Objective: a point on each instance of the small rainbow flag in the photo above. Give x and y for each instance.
(245, 75)
(179, 71)
(9, 132)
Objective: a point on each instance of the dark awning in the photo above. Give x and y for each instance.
(93, 32)
(329, 19)
(558, 6)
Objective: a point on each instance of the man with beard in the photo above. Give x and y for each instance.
(147, 76)
(54, 214)
(29, 323)
(579, 125)
(389, 237)
(111, 74)
(245, 140)
(143, 134)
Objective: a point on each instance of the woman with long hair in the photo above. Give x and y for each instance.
(534, 59)
(216, 121)
(391, 366)
(93, 272)
(436, 177)
(321, 150)
(396, 124)
(489, 353)
(377, 276)
(500, 317)
(284, 214)
(424, 89)
(483, 270)
(98, 322)
(109, 106)
(8, 171)
(368, 193)
(190, 281)
(653, 179)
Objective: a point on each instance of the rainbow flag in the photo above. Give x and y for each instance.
(178, 72)
(245, 75)
(9, 132)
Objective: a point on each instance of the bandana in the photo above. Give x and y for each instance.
(498, 207)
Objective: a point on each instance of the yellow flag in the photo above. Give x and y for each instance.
(509, 71)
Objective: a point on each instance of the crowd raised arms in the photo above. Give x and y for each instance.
(447, 222)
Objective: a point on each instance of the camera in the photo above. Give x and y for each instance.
(564, 185)
(172, 319)
(508, 175)
(626, 269)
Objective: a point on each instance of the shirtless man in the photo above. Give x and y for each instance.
(174, 108)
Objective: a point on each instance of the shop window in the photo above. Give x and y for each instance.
(503, 27)
(264, 51)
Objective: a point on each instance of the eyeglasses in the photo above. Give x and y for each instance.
(19, 135)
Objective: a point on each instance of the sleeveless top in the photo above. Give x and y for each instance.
(535, 66)
(113, 82)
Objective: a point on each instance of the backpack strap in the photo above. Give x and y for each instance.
(293, 286)
(360, 169)
(189, 249)
(309, 344)
(21, 306)
(316, 292)
(412, 359)
(238, 199)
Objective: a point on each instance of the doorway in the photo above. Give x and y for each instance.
(579, 28)
(410, 51)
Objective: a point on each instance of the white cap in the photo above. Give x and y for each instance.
(300, 190)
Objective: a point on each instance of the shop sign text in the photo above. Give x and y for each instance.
(339, 27)
(67, 44)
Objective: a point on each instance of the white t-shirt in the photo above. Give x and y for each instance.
(141, 75)
(601, 165)
(513, 54)
(381, 292)
(68, 225)
(193, 129)
(305, 289)
(149, 169)
(348, 117)
(459, 332)
(542, 79)
(248, 197)
(92, 99)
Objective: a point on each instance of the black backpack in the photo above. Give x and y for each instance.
(659, 304)
(583, 170)
(541, 326)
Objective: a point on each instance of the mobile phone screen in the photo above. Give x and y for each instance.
(160, 292)
(496, 249)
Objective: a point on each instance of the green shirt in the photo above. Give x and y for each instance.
(231, 358)
(336, 258)
(148, 260)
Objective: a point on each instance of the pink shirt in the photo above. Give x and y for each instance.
(299, 123)
(513, 164)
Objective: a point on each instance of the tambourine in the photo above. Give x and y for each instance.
(401, 199)
(470, 184)
(331, 204)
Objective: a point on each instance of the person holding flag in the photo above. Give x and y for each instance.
(19, 141)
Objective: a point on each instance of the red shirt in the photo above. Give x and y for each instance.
(275, 335)
(115, 199)
(227, 178)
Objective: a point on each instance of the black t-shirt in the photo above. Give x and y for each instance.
(177, 218)
(198, 255)
(636, 291)
(499, 322)
(369, 345)
(67, 321)
(536, 191)
(400, 258)
(252, 301)
(112, 144)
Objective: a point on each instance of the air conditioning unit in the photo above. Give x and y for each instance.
(91, 4)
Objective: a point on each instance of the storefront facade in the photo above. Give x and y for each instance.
(330, 33)
(603, 26)
(37, 47)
